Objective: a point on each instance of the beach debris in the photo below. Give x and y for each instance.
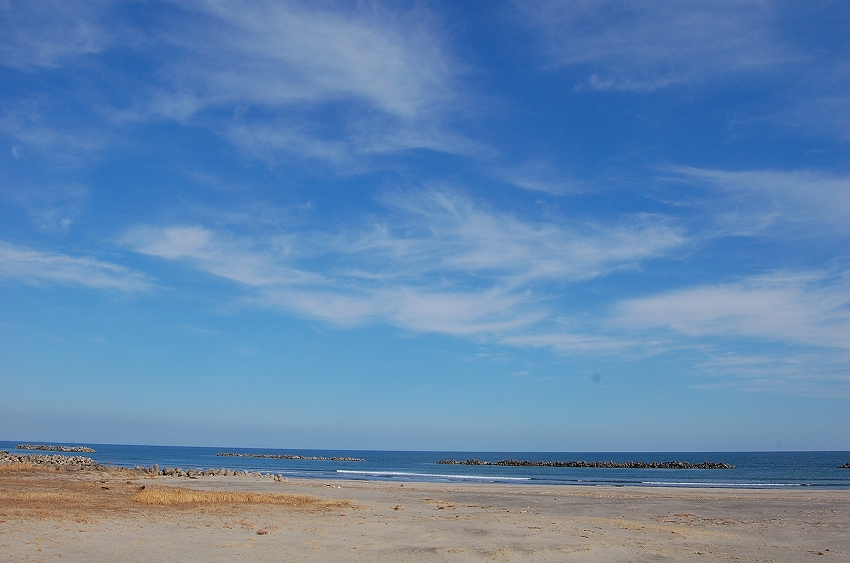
(289, 456)
(593, 464)
(51, 448)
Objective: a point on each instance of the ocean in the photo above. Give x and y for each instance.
(768, 470)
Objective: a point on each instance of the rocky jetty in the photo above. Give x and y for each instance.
(196, 473)
(56, 461)
(593, 464)
(49, 448)
(845, 466)
(291, 456)
(79, 463)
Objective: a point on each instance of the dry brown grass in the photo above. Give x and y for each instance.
(41, 496)
(45, 493)
(35, 492)
(172, 496)
(16, 467)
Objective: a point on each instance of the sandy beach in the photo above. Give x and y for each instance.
(48, 515)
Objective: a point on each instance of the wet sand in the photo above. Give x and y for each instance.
(96, 516)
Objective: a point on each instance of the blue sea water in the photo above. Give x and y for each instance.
(774, 470)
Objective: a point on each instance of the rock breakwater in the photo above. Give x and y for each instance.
(290, 456)
(196, 473)
(593, 464)
(49, 448)
(845, 466)
(56, 461)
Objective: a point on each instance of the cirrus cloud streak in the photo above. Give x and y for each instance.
(443, 265)
(35, 267)
(806, 309)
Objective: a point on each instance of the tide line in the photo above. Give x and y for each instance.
(709, 484)
(431, 475)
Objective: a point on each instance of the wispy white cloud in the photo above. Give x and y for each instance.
(780, 370)
(267, 142)
(804, 309)
(49, 33)
(372, 136)
(443, 264)
(275, 73)
(572, 342)
(32, 130)
(540, 176)
(446, 310)
(240, 260)
(786, 333)
(825, 113)
(276, 58)
(274, 53)
(459, 236)
(349, 149)
(756, 200)
(35, 267)
(648, 45)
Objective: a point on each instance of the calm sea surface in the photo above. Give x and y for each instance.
(775, 470)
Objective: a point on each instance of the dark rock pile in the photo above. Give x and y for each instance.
(594, 464)
(48, 448)
(79, 463)
(291, 456)
(845, 466)
(196, 473)
(68, 463)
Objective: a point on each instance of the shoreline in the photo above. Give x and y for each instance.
(262, 483)
(196, 478)
(49, 515)
(80, 463)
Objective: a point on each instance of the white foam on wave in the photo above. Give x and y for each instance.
(431, 475)
(703, 484)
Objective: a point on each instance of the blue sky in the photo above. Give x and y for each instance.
(570, 226)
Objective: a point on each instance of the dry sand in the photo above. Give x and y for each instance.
(99, 516)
